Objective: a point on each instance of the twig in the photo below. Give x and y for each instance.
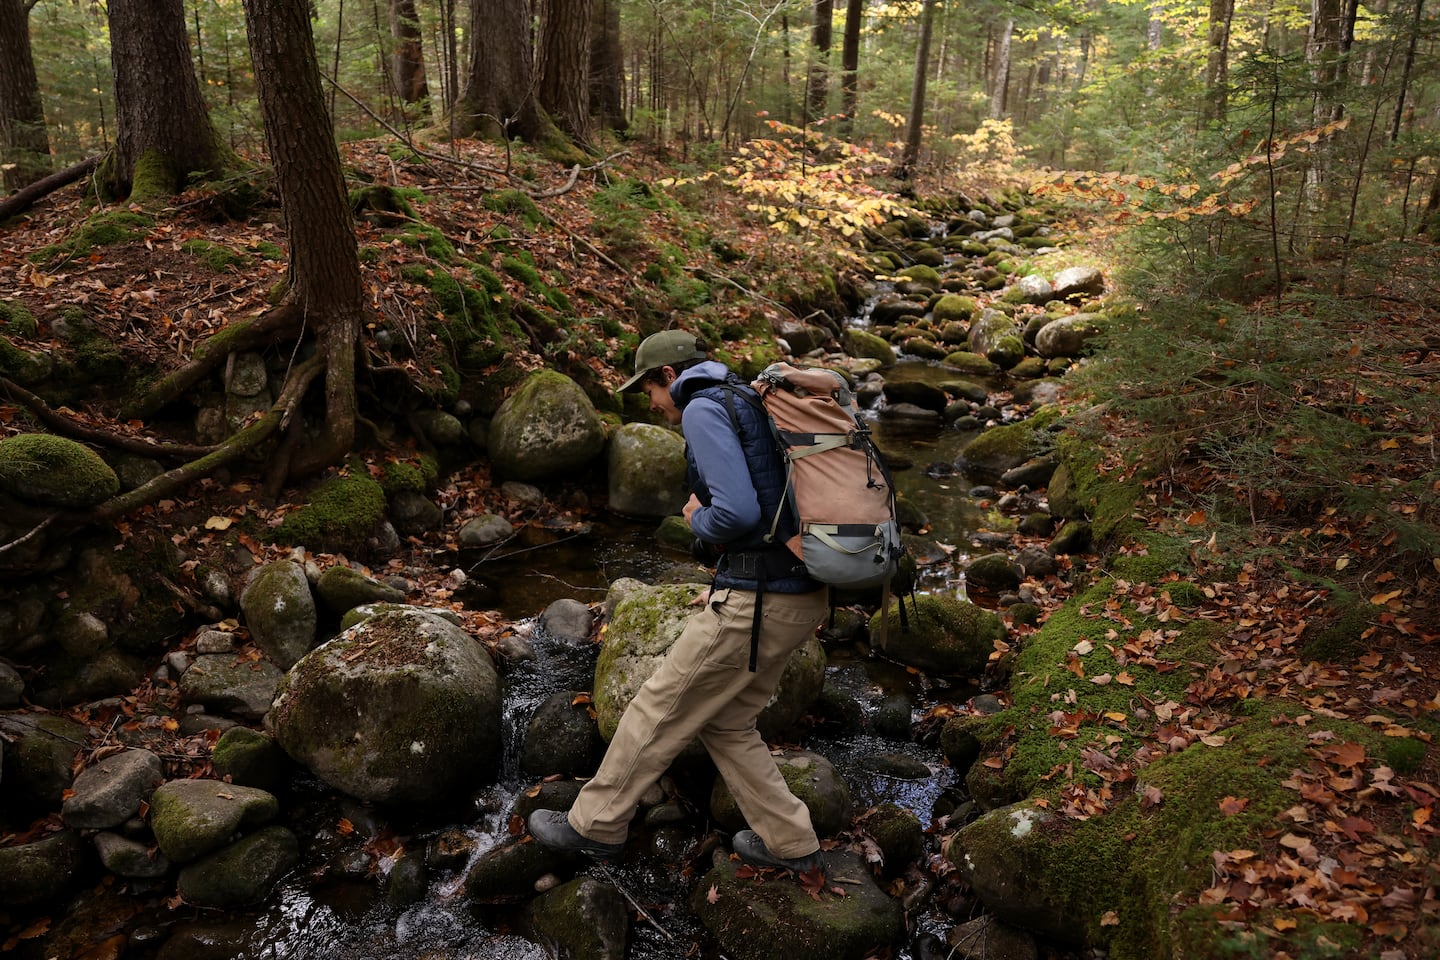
(610, 878)
(33, 533)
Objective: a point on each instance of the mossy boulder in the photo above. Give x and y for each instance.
(190, 818)
(922, 274)
(997, 337)
(55, 471)
(646, 471)
(507, 872)
(403, 707)
(343, 588)
(1068, 336)
(342, 514)
(953, 307)
(244, 872)
(279, 610)
(37, 760)
(866, 345)
(755, 920)
(548, 428)
(646, 621)
(1002, 448)
(993, 571)
(898, 833)
(583, 918)
(249, 758)
(971, 363)
(811, 778)
(944, 635)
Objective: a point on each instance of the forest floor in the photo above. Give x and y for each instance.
(156, 292)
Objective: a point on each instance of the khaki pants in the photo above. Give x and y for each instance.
(704, 688)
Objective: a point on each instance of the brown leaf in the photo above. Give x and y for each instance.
(1233, 805)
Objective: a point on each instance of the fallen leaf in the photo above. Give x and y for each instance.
(218, 523)
(1233, 805)
(713, 894)
(1110, 919)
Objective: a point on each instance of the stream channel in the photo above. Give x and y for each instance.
(324, 911)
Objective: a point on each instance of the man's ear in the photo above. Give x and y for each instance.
(669, 374)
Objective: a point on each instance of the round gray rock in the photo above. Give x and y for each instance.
(280, 612)
(647, 471)
(547, 428)
(110, 792)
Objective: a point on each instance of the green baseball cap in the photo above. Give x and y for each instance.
(664, 349)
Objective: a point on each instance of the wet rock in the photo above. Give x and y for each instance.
(39, 872)
(342, 588)
(644, 625)
(1074, 537)
(898, 833)
(967, 390)
(243, 872)
(403, 707)
(1037, 562)
(407, 882)
(986, 938)
(918, 393)
(208, 941)
(862, 343)
(525, 495)
(993, 571)
(54, 471)
(508, 873)
(1004, 854)
(110, 792)
(12, 686)
(568, 620)
(778, 918)
(37, 761)
(811, 778)
(413, 513)
(999, 449)
(960, 741)
(280, 612)
(646, 471)
(562, 738)
(909, 415)
(190, 818)
(547, 428)
(895, 311)
(125, 857)
(1035, 472)
(1037, 525)
(583, 918)
(946, 635)
(228, 684)
(485, 530)
(249, 758)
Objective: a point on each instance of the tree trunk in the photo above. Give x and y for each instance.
(1430, 219)
(818, 83)
(498, 97)
(24, 141)
(324, 282)
(906, 168)
(1323, 49)
(1217, 62)
(563, 65)
(850, 63)
(607, 67)
(1406, 72)
(163, 130)
(407, 60)
(1001, 88)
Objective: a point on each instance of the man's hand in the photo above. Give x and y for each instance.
(690, 507)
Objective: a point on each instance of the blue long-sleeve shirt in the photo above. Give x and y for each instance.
(734, 509)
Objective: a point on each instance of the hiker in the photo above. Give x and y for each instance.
(728, 659)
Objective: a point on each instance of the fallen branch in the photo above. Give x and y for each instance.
(63, 425)
(22, 199)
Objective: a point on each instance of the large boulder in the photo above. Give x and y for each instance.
(1003, 448)
(562, 738)
(1005, 855)
(40, 871)
(1077, 282)
(944, 635)
(280, 612)
(546, 428)
(864, 344)
(645, 623)
(762, 921)
(1068, 336)
(190, 818)
(647, 471)
(243, 872)
(996, 336)
(583, 918)
(54, 471)
(402, 707)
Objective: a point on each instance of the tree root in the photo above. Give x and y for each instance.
(284, 321)
(63, 425)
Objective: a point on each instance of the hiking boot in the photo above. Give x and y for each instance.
(750, 848)
(551, 828)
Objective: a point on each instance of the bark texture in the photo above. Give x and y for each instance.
(325, 285)
(563, 65)
(24, 141)
(158, 107)
(913, 129)
(407, 60)
(850, 61)
(1217, 61)
(607, 67)
(498, 97)
(818, 84)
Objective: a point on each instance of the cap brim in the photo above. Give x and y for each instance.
(629, 385)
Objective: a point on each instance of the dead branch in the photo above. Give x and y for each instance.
(63, 425)
(22, 199)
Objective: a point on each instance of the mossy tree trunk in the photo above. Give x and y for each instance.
(407, 60)
(24, 141)
(163, 130)
(498, 96)
(563, 65)
(325, 290)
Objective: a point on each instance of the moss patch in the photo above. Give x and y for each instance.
(341, 514)
(101, 229)
(216, 256)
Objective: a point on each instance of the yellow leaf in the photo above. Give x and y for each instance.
(1342, 563)
(218, 523)
(1390, 444)
(1117, 716)
(1110, 919)
(1380, 599)
(1213, 740)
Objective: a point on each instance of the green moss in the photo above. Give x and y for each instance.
(17, 319)
(920, 273)
(341, 513)
(523, 271)
(101, 229)
(415, 476)
(1405, 754)
(216, 256)
(1156, 557)
(54, 470)
(154, 176)
(267, 250)
(1108, 500)
(429, 240)
(1342, 639)
(514, 202)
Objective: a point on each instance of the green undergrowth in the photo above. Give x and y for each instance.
(98, 230)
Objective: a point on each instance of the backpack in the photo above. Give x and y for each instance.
(836, 484)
